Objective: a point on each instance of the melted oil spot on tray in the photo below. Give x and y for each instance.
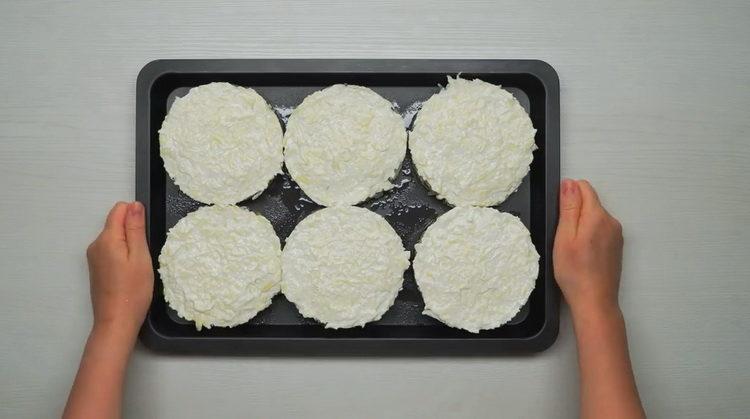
(178, 204)
(284, 204)
(410, 112)
(283, 112)
(408, 206)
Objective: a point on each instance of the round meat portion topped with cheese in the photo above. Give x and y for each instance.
(472, 143)
(343, 266)
(220, 266)
(221, 143)
(343, 144)
(475, 268)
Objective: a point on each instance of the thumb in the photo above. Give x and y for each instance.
(135, 229)
(570, 208)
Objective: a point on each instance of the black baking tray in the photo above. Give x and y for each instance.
(408, 207)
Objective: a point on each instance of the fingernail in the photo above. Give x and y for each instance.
(136, 209)
(567, 186)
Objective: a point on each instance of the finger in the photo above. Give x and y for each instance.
(115, 224)
(135, 229)
(570, 208)
(588, 195)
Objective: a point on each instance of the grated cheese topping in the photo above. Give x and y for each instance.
(220, 266)
(343, 266)
(472, 143)
(475, 267)
(343, 144)
(221, 143)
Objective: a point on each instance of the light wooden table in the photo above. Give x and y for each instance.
(655, 111)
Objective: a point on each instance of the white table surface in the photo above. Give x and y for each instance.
(655, 112)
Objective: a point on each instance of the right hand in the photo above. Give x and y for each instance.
(587, 253)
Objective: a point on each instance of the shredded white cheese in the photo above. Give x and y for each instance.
(343, 144)
(221, 143)
(220, 266)
(343, 266)
(475, 267)
(472, 143)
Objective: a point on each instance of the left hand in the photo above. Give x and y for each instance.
(120, 271)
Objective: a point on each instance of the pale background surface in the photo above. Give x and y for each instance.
(655, 111)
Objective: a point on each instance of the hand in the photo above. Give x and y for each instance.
(120, 271)
(587, 253)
